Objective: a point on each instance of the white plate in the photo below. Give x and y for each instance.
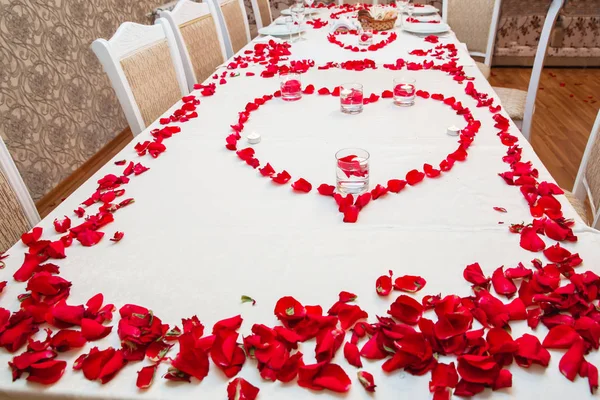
(307, 11)
(426, 9)
(421, 28)
(280, 30)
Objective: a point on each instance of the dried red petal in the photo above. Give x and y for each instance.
(500, 209)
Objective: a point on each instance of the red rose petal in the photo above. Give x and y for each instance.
(326, 190)
(281, 178)
(531, 241)
(352, 355)
(413, 177)
(146, 376)
(241, 389)
(571, 361)
(383, 285)
(503, 285)
(302, 185)
(366, 380)
(396, 185)
(409, 283)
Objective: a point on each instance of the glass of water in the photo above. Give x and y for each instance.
(352, 171)
(351, 98)
(404, 91)
(290, 86)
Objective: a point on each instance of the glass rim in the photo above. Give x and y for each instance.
(406, 79)
(288, 73)
(348, 149)
(343, 85)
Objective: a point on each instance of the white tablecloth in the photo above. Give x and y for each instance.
(206, 228)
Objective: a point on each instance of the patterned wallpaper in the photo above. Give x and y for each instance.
(57, 107)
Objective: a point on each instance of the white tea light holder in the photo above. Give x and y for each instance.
(453, 131)
(253, 138)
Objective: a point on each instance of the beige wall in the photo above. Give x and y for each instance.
(57, 107)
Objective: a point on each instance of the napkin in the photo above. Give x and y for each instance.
(345, 23)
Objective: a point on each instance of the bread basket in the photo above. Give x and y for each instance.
(368, 22)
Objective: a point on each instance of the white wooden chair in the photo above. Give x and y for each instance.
(262, 13)
(475, 23)
(519, 104)
(234, 24)
(17, 210)
(340, 2)
(587, 182)
(199, 37)
(143, 65)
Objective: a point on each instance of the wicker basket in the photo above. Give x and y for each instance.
(368, 22)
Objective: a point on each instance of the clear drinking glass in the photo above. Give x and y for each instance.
(404, 91)
(309, 4)
(290, 86)
(365, 38)
(401, 6)
(289, 24)
(352, 171)
(351, 98)
(298, 15)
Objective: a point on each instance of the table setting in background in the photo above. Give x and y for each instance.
(339, 211)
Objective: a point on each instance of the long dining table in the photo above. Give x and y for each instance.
(206, 228)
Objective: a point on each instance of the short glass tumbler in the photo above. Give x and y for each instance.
(365, 37)
(290, 86)
(351, 98)
(404, 91)
(352, 171)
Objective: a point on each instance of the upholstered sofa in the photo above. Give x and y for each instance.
(575, 38)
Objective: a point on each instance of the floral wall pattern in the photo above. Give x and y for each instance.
(57, 107)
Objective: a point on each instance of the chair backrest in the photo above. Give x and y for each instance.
(144, 67)
(538, 64)
(262, 13)
(475, 23)
(587, 182)
(373, 2)
(234, 24)
(17, 210)
(199, 37)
